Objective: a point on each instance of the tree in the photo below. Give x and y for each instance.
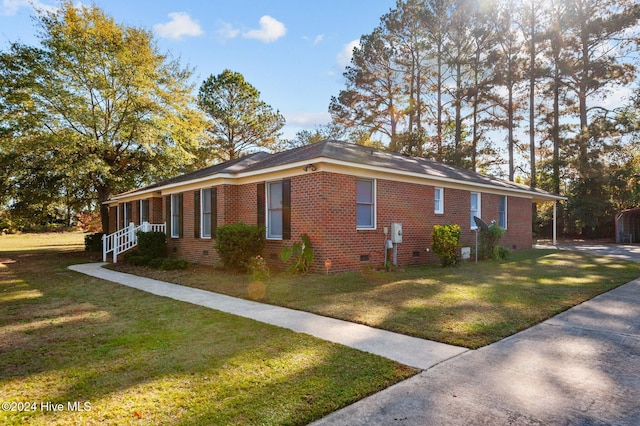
(438, 23)
(509, 72)
(238, 119)
(371, 100)
(405, 27)
(99, 102)
(597, 43)
(307, 137)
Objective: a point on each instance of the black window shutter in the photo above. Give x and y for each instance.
(214, 211)
(261, 204)
(180, 215)
(196, 214)
(147, 208)
(286, 209)
(167, 213)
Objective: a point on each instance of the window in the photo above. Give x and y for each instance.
(205, 211)
(365, 204)
(126, 215)
(176, 215)
(274, 210)
(438, 200)
(144, 211)
(502, 212)
(475, 208)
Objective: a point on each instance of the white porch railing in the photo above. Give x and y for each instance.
(127, 238)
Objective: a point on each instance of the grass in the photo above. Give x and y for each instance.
(469, 305)
(136, 358)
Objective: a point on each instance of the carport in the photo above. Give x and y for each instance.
(628, 226)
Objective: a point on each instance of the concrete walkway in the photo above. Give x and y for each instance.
(411, 351)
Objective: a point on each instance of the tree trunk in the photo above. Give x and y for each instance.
(510, 129)
(532, 96)
(104, 192)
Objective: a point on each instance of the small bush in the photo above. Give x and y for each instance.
(134, 257)
(300, 255)
(93, 242)
(503, 253)
(445, 243)
(152, 244)
(258, 268)
(237, 243)
(172, 264)
(489, 242)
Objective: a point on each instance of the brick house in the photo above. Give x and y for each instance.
(343, 196)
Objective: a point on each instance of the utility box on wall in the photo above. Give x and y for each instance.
(465, 252)
(396, 233)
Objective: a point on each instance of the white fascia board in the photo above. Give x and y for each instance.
(453, 182)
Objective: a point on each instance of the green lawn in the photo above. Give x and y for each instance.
(135, 358)
(470, 305)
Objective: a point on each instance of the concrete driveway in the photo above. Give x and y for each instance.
(623, 251)
(581, 367)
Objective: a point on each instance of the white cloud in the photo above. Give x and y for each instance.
(11, 7)
(617, 97)
(343, 58)
(180, 25)
(270, 30)
(226, 31)
(318, 39)
(307, 119)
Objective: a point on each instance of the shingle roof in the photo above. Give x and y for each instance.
(350, 153)
(231, 166)
(359, 154)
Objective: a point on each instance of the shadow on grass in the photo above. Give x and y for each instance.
(136, 356)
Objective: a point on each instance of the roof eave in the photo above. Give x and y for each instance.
(534, 195)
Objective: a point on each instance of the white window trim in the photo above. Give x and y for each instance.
(479, 211)
(506, 210)
(267, 210)
(375, 206)
(175, 231)
(205, 237)
(441, 209)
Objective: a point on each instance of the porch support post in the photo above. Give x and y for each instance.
(555, 222)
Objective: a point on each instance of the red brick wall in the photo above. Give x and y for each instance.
(196, 250)
(156, 214)
(323, 206)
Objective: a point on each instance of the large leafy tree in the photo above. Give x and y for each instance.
(238, 120)
(97, 104)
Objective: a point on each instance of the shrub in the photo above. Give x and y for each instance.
(489, 242)
(237, 243)
(503, 253)
(134, 257)
(300, 255)
(168, 264)
(93, 242)
(152, 244)
(445, 243)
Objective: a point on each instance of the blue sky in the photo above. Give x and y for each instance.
(293, 52)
